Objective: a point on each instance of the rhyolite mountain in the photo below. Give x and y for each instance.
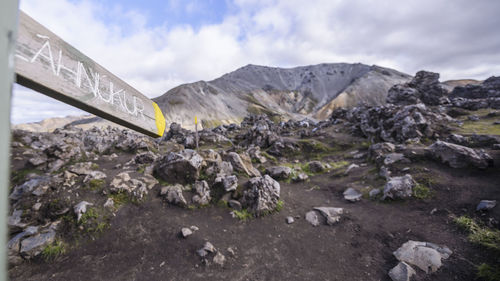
(306, 91)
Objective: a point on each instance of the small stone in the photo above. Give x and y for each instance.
(374, 192)
(202, 253)
(109, 204)
(301, 177)
(81, 208)
(402, 272)
(352, 195)
(290, 220)
(350, 168)
(209, 247)
(36, 206)
(235, 204)
(194, 228)
(186, 232)
(231, 251)
(312, 218)
(219, 259)
(433, 211)
(485, 205)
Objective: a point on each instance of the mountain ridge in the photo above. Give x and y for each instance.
(297, 92)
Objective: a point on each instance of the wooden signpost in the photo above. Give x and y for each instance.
(47, 64)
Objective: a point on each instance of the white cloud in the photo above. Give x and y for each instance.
(456, 38)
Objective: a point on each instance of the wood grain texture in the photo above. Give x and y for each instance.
(47, 64)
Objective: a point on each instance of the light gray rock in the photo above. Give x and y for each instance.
(230, 183)
(219, 259)
(82, 168)
(254, 152)
(301, 177)
(392, 158)
(80, 209)
(261, 196)
(42, 182)
(457, 156)
(350, 168)
(14, 220)
(385, 172)
(242, 163)
(402, 272)
(36, 207)
(173, 194)
(485, 205)
(374, 192)
(352, 195)
(290, 220)
(202, 196)
(424, 255)
(109, 204)
(399, 187)
(34, 245)
(312, 218)
(209, 247)
(185, 232)
(279, 172)
(331, 214)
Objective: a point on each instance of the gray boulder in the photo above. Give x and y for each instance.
(262, 195)
(38, 182)
(279, 172)
(399, 187)
(424, 255)
(457, 156)
(182, 167)
(34, 245)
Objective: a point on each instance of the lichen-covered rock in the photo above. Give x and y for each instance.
(457, 156)
(202, 193)
(399, 187)
(262, 195)
(173, 194)
(183, 167)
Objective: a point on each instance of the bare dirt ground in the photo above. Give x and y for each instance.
(143, 240)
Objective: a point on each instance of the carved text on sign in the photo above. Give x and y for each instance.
(83, 77)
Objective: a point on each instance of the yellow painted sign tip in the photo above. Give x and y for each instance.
(160, 120)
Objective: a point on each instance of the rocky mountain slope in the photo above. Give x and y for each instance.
(50, 124)
(402, 191)
(306, 91)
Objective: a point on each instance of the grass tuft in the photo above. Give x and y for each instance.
(54, 250)
(484, 236)
(243, 215)
(488, 272)
(421, 191)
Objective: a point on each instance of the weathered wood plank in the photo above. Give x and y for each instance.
(47, 64)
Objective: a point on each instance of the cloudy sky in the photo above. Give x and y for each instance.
(155, 45)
